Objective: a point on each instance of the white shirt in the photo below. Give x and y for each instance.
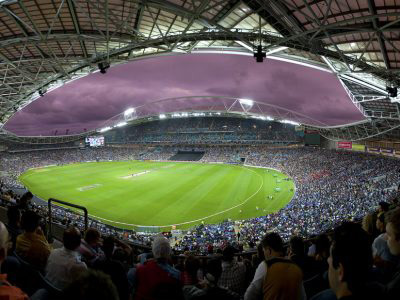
(255, 289)
(62, 267)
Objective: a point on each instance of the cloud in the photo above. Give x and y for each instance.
(88, 102)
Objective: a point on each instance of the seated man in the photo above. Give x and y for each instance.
(276, 277)
(90, 246)
(233, 276)
(64, 264)
(350, 265)
(32, 245)
(393, 242)
(7, 292)
(157, 279)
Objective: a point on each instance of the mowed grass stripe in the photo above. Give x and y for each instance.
(177, 194)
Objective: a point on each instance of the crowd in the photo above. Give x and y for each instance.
(350, 262)
(205, 130)
(332, 187)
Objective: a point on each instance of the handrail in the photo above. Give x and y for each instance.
(85, 212)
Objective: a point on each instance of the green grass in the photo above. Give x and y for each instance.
(171, 193)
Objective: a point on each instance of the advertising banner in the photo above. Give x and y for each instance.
(358, 147)
(345, 145)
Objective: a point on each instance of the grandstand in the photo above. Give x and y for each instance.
(196, 196)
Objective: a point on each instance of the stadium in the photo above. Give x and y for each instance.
(206, 149)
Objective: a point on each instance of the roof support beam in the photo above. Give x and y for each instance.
(375, 22)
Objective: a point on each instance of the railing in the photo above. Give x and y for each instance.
(85, 212)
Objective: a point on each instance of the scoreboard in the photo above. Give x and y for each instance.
(95, 141)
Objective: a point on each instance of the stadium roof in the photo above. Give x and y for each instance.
(45, 43)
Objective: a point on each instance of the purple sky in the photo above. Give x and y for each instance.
(87, 102)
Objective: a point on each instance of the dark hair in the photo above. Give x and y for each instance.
(381, 217)
(260, 252)
(30, 221)
(214, 268)
(393, 217)
(91, 235)
(25, 197)
(228, 253)
(273, 241)
(91, 285)
(71, 238)
(351, 247)
(108, 246)
(384, 205)
(13, 215)
(322, 245)
(192, 265)
(297, 245)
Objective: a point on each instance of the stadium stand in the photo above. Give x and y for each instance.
(187, 156)
(332, 187)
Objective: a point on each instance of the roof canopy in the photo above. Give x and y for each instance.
(44, 43)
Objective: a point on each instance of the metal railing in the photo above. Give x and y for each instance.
(85, 213)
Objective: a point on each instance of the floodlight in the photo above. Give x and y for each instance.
(129, 111)
(105, 129)
(275, 50)
(162, 116)
(103, 66)
(120, 124)
(244, 45)
(289, 122)
(246, 102)
(270, 119)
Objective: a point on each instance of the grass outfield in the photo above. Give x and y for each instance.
(163, 193)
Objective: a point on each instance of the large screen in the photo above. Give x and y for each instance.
(95, 141)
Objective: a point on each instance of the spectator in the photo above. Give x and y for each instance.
(233, 276)
(7, 291)
(350, 262)
(297, 254)
(156, 278)
(189, 275)
(91, 285)
(113, 268)
(393, 242)
(64, 264)
(14, 224)
(383, 259)
(25, 201)
(32, 245)
(210, 289)
(276, 277)
(90, 246)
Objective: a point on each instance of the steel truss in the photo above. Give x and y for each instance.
(44, 45)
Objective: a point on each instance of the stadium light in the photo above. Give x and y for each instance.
(289, 122)
(245, 45)
(269, 118)
(275, 50)
(120, 124)
(247, 102)
(129, 111)
(162, 116)
(105, 129)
